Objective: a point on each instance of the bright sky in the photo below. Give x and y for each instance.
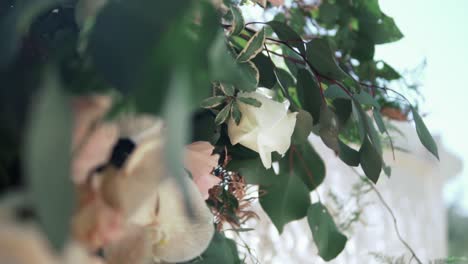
(437, 31)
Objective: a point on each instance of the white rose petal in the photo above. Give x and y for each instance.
(263, 129)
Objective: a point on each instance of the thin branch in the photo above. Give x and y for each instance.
(395, 222)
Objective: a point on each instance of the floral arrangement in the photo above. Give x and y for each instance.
(151, 124)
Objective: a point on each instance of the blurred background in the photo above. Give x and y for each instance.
(434, 50)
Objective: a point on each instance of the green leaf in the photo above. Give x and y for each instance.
(306, 164)
(204, 127)
(423, 134)
(223, 115)
(252, 170)
(329, 240)
(235, 112)
(266, 69)
(238, 20)
(371, 161)
(343, 110)
(285, 200)
(220, 250)
(253, 46)
(309, 94)
(129, 32)
(287, 34)
(176, 114)
(322, 59)
(227, 89)
(303, 128)
(251, 75)
(379, 121)
(334, 91)
(212, 102)
(366, 99)
(250, 101)
(295, 65)
(47, 161)
(383, 30)
(329, 128)
(348, 155)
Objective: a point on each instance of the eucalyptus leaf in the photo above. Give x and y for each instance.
(424, 135)
(379, 121)
(348, 155)
(334, 91)
(329, 128)
(371, 161)
(322, 59)
(307, 164)
(303, 128)
(366, 99)
(309, 94)
(288, 35)
(285, 200)
(329, 240)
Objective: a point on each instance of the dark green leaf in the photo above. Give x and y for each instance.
(322, 59)
(379, 121)
(223, 115)
(253, 47)
(309, 94)
(252, 170)
(220, 250)
(371, 161)
(424, 135)
(237, 21)
(212, 102)
(303, 128)
(236, 113)
(343, 110)
(48, 141)
(287, 34)
(366, 99)
(292, 60)
(285, 200)
(250, 101)
(348, 155)
(334, 91)
(227, 89)
(266, 69)
(329, 240)
(251, 75)
(329, 128)
(306, 164)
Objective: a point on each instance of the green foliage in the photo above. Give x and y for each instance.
(172, 59)
(47, 161)
(329, 240)
(287, 190)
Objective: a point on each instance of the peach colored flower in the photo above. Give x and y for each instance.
(200, 162)
(92, 139)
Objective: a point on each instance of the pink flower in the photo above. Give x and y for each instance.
(200, 162)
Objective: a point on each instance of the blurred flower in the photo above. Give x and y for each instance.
(92, 139)
(200, 162)
(263, 129)
(23, 244)
(138, 212)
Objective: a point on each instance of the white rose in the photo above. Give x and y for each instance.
(263, 129)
